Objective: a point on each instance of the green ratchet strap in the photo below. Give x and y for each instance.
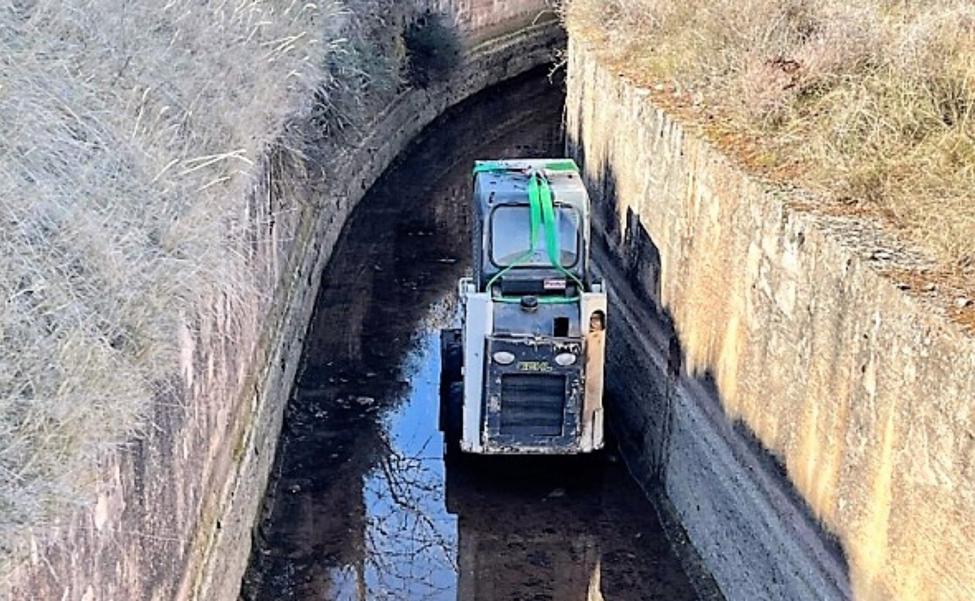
(562, 165)
(489, 167)
(499, 167)
(544, 192)
(542, 216)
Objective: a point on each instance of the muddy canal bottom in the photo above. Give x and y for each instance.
(361, 505)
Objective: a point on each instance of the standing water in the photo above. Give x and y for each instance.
(361, 504)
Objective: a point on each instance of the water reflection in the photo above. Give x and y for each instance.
(409, 542)
(409, 527)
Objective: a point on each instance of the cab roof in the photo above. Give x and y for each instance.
(506, 182)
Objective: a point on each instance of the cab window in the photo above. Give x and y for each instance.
(511, 230)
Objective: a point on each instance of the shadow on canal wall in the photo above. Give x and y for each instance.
(808, 420)
(731, 497)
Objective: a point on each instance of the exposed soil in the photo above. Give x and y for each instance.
(361, 504)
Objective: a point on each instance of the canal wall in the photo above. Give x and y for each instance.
(174, 508)
(811, 421)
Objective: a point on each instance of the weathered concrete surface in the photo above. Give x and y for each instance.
(482, 20)
(175, 509)
(770, 378)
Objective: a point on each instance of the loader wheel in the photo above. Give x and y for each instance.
(451, 356)
(451, 362)
(452, 417)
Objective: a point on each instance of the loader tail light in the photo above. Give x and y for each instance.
(565, 359)
(503, 358)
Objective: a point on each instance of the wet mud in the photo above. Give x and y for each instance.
(361, 505)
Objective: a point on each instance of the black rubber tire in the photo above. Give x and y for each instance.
(451, 356)
(451, 371)
(451, 411)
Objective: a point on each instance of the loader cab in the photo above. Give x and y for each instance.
(504, 252)
(523, 373)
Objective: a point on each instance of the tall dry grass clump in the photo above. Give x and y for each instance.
(869, 102)
(131, 134)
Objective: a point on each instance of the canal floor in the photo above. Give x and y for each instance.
(361, 504)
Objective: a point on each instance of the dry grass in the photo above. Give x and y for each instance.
(870, 103)
(131, 133)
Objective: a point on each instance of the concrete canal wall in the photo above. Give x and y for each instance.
(175, 508)
(810, 421)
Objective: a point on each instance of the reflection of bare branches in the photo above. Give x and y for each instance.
(406, 547)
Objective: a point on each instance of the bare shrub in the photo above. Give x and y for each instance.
(432, 47)
(872, 100)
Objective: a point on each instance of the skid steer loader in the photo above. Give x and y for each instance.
(523, 374)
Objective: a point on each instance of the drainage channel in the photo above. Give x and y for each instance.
(361, 505)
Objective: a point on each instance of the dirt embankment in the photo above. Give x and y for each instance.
(868, 106)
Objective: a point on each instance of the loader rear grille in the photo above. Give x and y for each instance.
(532, 404)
